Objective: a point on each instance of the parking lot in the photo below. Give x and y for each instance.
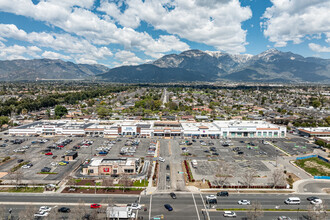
(241, 155)
(32, 152)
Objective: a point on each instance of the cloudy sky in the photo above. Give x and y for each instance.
(126, 32)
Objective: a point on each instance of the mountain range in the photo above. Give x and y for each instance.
(12, 70)
(188, 66)
(195, 65)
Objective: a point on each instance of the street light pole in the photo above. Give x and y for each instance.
(298, 214)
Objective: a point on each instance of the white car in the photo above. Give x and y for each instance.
(41, 214)
(45, 209)
(229, 214)
(244, 202)
(135, 206)
(26, 166)
(161, 159)
(53, 164)
(316, 201)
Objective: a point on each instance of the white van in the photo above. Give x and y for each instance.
(292, 201)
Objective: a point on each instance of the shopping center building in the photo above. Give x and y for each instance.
(160, 129)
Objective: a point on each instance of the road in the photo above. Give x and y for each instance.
(172, 178)
(313, 186)
(186, 206)
(164, 98)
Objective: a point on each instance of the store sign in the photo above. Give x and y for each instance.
(129, 129)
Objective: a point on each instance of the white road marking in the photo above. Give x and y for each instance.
(150, 207)
(195, 206)
(207, 213)
(137, 211)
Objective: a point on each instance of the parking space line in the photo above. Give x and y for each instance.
(207, 213)
(195, 206)
(150, 207)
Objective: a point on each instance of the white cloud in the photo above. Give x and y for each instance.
(294, 20)
(128, 58)
(77, 47)
(18, 52)
(54, 55)
(76, 18)
(319, 48)
(215, 23)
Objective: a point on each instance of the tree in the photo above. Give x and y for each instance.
(125, 181)
(317, 212)
(107, 181)
(4, 120)
(278, 178)
(3, 212)
(254, 211)
(327, 120)
(249, 176)
(28, 212)
(223, 172)
(80, 210)
(16, 177)
(102, 112)
(60, 110)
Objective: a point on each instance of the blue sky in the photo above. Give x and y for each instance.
(128, 32)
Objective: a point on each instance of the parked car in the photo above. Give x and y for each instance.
(20, 160)
(244, 202)
(283, 218)
(173, 195)
(229, 214)
(64, 209)
(167, 167)
(29, 165)
(161, 159)
(49, 153)
(223, 193)
(95, 206)
(41, 214)
(45, 169)
(45, 208)
(168, 207)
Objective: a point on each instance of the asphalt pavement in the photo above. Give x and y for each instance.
(186, 206)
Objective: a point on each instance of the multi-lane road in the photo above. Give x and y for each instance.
(186, 206)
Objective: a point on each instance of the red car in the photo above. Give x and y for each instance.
(95, 206)
(49, 153)
(61, 146)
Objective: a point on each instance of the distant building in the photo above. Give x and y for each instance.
(202, 118)
(315, 132)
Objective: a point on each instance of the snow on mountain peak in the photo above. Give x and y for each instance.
(215, 54)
